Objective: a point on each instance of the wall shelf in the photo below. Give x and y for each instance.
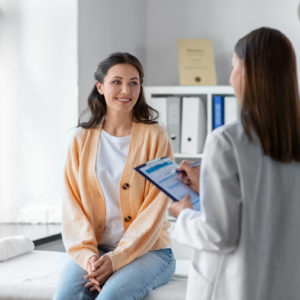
(162, 97)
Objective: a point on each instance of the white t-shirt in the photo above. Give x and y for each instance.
(112, 153)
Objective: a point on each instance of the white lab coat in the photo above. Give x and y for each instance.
(246, 239)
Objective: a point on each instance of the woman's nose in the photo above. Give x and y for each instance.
(125, 88)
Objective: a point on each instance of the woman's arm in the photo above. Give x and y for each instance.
(78, 234)
(217, 226)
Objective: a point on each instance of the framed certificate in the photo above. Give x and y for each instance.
(196, 62)
(162, 173)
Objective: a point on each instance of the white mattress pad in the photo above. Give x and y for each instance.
(34, 276)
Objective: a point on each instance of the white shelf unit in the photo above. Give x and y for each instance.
(205, 92)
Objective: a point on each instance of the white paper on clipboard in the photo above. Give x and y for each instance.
(161, 173)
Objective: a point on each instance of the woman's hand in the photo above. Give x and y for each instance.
(189, 175)
(90, 269)
(176, 207)
(101, 271)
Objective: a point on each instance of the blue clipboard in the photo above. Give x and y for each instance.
(161, 172)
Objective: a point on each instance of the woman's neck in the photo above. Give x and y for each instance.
(118, 125)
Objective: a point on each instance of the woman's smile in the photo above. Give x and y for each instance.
(123, 99)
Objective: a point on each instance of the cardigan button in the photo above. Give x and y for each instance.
(127, 219)
(125, 186)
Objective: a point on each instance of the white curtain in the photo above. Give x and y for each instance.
(38, 105)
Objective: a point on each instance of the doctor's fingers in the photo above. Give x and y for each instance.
(183, 164)
(186, 180)
(185, 171)
(193, 174)
(175, 207)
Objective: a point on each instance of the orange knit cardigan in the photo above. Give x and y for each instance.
(143, 206)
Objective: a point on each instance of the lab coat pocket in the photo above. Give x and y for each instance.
(198, 286)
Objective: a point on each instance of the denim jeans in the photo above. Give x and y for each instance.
(132, 282)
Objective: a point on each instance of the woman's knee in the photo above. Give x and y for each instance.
(71, 283)
(140, 277)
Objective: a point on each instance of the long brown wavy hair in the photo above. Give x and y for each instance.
(270, 105)
(142, 112)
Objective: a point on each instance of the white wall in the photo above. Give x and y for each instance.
(149, 29)
(222, 21)
(105, 27)
(38, 104)
(38, 74)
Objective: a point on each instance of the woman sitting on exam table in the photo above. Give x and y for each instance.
(246, 238)
(114, 226)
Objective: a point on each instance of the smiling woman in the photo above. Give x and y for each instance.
(121, 89)
(109, 68)
(114, 222)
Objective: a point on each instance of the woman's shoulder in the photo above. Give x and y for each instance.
(151, 132)
(232, 130)
(154, 128)
(228, 134)
(233, 136)
(80, 135)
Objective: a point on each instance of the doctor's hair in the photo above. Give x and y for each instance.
(270, 105)
(142, 112)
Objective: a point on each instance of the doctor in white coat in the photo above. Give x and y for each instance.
(246, 237)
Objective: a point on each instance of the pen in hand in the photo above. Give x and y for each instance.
(193, 164)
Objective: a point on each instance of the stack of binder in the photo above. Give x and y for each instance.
(185, 120)
(225, 110)
(194, 121)
(169, 109)
(174, 122)
(160, 104)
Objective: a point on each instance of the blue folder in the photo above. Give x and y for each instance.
(218, 111)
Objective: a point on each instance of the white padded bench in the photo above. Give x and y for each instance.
(34, 275)
(175, 289)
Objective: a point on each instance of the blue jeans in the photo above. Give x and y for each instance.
(132, 282)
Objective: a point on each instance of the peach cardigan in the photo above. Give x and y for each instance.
(143, 206)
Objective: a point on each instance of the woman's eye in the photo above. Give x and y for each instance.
(134, 83)
(116, 82)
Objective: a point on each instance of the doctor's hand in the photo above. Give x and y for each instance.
(189, 175)
(101, 271)
(176, 207)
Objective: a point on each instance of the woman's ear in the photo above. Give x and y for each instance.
(99, 87)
